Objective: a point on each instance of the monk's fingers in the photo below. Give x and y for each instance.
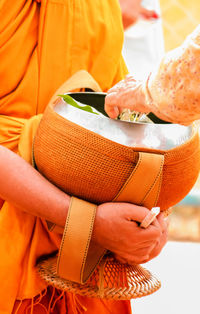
(159, 245)
(132, 260)
(163, 221)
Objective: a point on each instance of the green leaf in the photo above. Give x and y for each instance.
(70, 101)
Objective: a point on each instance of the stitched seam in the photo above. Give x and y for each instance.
(133, 172)
(64, 234)
(161, 175)
(152, 185)
(88, 242)
(154, 182)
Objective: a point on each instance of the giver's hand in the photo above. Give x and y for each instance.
(117, 229)
(130, 94)
(132, 10)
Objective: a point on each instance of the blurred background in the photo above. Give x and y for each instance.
(179, 18)
(178, 266)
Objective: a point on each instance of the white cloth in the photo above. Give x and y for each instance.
(144, 43)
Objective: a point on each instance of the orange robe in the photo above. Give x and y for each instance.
(42, 43)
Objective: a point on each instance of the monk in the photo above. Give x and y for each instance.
(43, 43)
(171, 91)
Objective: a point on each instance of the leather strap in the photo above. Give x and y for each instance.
(80, 79)
(77, 256)
(143, 185)
(75, 243)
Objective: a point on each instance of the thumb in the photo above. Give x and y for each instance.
(112, 111)
(138, 213)
(110, 106)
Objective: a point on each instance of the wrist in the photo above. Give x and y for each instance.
(148, 100)
(59, 213)
(65, 204)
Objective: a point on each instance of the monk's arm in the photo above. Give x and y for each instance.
(22, 186)
(25, 188)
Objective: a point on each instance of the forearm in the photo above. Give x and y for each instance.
(174, 86)
(24, 187)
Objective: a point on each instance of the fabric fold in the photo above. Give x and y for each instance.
(42, 44)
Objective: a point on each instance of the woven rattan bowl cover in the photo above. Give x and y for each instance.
(111, 280)
(91, 167)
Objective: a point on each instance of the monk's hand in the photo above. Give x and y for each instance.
(160, 243)
(163, 239)
(117, 228)
(130, 94)
(132, 10)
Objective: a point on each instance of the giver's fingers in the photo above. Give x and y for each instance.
(127, 94)
(112, 111)
(122, 86)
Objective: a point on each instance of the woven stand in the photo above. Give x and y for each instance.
(111, 280)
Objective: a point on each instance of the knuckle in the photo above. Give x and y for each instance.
(157, 232)
(140, 260)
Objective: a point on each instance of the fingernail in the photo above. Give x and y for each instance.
(155, 210)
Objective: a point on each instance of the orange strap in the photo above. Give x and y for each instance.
(77, 256)
(80, 79)
(75, 242)
(143, 185)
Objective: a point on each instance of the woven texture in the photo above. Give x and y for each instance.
(111, 280)
(94, 168)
